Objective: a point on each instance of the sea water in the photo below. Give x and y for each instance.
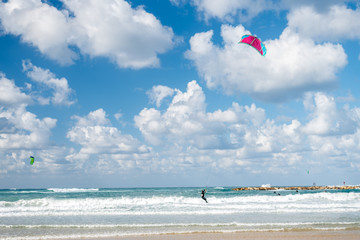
(96, 212)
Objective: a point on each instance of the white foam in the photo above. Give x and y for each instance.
(163, 211)
(179, 205)
(71, 190)
(153, 225)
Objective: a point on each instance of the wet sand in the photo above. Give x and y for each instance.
(286, 235)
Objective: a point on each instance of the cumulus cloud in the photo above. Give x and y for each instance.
(23, 133)
(109, 30)
(29, 131)
(158, 93)
(61, 92)
(332, 133)
(184, 117)
(187, 123)
(40, 25)
(327, 119)
(339, 22)
(228, 9)
(94, 28)
(321, 6)
(335, 19)
(20, 129)
(243, 137)
(292, 66)
(102, 143)
(192, 136)
(10, 94)
(48, 160)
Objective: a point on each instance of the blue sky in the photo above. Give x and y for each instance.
(159, 93)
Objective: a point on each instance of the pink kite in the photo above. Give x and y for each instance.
(254, 42)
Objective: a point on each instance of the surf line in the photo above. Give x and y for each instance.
(298, 188)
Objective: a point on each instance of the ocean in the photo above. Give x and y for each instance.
(101, 212)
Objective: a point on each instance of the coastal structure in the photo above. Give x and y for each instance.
(266, 188)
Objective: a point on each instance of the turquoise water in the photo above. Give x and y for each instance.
(75, 213)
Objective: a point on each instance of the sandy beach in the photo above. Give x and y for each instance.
(291, 235)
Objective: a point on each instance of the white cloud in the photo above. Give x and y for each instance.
(320, 6)
(229, 9)
(186, 123)
(292, 66)
(118, 116)
(339, 22)
(132, 38)
(178, 2)
(27, 130)
(158, 93)
(94, 118)
(12, 161)
(184, 117)
(191, 136)
(242, 137)
(102, 143)
(10, 94)
(23, 133)
(327, 119)
(331, 134)
(40, 25)
(48, 160)
(20, 129)
(59, 87)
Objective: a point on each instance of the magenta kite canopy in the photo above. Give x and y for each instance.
(255, 43)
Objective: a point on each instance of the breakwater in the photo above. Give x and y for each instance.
(298, 188)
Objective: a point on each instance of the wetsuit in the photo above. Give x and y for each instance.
(203, 195)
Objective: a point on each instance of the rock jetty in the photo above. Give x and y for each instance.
(298, 188)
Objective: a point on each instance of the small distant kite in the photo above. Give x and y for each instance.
(255, 43)
(32, 159)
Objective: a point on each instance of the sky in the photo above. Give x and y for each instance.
(115, 93)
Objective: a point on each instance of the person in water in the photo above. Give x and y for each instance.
(203, 195)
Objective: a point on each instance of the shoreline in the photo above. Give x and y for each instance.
(298, 188)
(270, 235)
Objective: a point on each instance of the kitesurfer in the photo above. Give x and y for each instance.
(203, 195)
